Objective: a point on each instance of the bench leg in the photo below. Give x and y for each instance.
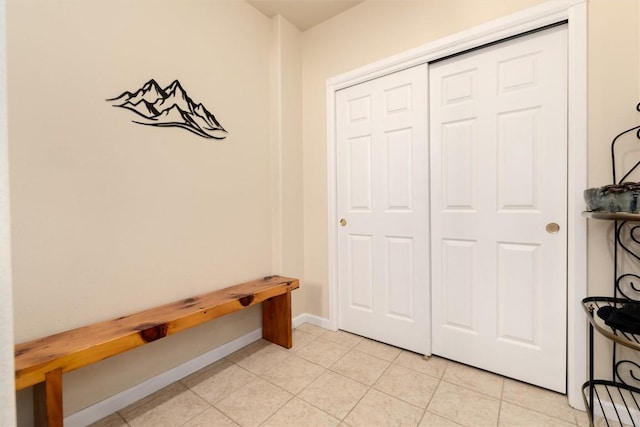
(276, 320)
(47, 400)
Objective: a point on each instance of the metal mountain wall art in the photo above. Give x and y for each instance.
(169, 107)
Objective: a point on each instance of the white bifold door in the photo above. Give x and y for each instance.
(382, 199)
(498, 140)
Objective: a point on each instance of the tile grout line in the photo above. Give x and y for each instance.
(440, 381)
(213, 405)
(500, 405)
(426, 408)
(297, 395)
(361, 397)
(197, 415)
(372, 387)
(369, 386)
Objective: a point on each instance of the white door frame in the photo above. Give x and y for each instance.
(548, 13)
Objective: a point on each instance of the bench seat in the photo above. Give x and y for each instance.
(44, 360)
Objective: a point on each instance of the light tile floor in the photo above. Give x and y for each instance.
(339, 379)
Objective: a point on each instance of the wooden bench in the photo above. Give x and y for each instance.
(42, 362)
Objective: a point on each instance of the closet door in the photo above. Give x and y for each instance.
(382, 188)
(499, 207)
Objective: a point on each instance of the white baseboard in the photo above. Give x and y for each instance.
(119, 401)
(313, 320)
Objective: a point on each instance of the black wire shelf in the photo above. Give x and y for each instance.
(618, 398)
(615, 401)
(592, 304)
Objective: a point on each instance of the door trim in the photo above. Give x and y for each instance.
(548, 13)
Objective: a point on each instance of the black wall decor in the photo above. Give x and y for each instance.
(170, 107)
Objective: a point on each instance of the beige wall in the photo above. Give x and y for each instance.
(286, 152)
(104, 208)
(110, 217)
(614, 91)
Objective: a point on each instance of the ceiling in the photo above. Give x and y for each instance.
(304, 14)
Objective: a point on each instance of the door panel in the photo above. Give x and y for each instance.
(359, 164)
(382, 180)
(458, 288)
(399, 283)
(360, 257)
(498, 162)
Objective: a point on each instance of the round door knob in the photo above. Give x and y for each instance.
(343, 222)
(552, 228)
